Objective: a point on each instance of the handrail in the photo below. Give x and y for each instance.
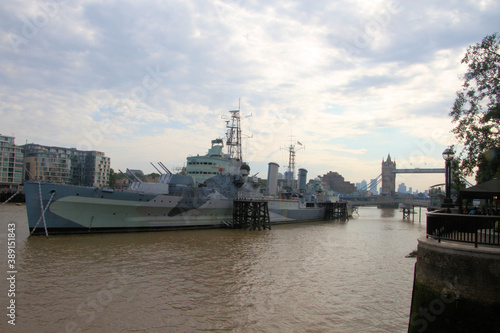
(465, 228)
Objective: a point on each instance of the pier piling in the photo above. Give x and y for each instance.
(251, 215)
(408, 211)
(336, 211)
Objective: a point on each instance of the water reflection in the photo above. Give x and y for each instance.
(387, 212)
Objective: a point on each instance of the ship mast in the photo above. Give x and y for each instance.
(290, 179)
(234, 135)
(291, 165)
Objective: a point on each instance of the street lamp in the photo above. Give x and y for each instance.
(448, 155)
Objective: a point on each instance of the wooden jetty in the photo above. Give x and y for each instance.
(336, 211)
(251, 214)
(408, 211)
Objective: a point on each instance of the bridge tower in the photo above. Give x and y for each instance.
(388, 177)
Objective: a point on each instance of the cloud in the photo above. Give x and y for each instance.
(352, 80)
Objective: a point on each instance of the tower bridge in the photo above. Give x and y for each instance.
(385, 202)
(389, 172)
(418, 170)
(388, 180)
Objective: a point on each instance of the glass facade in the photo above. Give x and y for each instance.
(66, 165)
(57, 164)
(11, 163)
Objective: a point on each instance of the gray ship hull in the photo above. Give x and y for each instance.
(73, 209)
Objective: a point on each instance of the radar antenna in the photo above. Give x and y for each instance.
(290, 177)
(233, 135)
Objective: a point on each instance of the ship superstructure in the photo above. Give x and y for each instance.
(215, 162)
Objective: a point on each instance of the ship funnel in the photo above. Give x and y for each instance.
(302, 179)
(272, 178)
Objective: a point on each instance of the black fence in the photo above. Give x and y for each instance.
(476, 229)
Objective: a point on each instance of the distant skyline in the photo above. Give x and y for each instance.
(145, 81)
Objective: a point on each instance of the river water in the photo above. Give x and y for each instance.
(305, 277)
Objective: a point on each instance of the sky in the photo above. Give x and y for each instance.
(148, 81)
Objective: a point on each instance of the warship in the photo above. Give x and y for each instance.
(202, 197)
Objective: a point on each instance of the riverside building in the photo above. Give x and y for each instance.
(11, 163)
(337, 183)
(66, 165)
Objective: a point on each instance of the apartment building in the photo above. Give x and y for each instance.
(11, 163)
(66, 165)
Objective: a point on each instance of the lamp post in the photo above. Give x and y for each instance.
(448, 155)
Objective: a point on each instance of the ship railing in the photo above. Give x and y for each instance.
(464, 228)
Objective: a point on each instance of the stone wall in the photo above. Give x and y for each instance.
(456, 288)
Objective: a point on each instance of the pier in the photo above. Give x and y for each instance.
(336, 211)
(251, 215)
(408, 211)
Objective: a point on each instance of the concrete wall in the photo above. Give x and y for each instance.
(456, 288)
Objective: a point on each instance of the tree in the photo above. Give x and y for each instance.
(476, 111)
(112, 178)
(489, 165)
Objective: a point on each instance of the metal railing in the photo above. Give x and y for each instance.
(475, 229)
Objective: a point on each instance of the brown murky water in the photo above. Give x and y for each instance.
(307, 277)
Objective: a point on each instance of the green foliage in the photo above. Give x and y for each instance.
(119, 176)
(476, 110)
(112, 178)
(153, 175)
(489, 165)
(458, 182)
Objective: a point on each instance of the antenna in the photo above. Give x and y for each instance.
(291, 160)
(233, 133)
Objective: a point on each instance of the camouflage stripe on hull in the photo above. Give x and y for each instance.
(82, 210)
